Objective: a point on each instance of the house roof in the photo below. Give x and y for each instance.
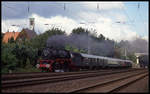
(8, 35)
(30, 33)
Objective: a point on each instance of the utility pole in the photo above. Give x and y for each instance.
(88, 36)
(88, 44)
(125, 54)
(64, 6)
(98, 6)
(28, 20)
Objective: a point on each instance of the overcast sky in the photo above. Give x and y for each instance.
(115, 20)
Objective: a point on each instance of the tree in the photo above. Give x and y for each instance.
(11, 40)
(9, 60)
(40, 40)
(80, 30)
(101, 37)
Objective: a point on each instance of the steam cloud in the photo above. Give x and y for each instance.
(103, 48)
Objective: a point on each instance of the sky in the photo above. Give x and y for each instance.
(115, 20)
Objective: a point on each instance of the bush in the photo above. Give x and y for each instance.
(8, 60)
(24, 70)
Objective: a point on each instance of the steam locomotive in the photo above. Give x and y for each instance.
(56, 60)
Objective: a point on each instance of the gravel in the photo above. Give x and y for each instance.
(64, 86)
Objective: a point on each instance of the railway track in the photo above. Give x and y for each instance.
(112, 85)
(14, 76)
(57, 78)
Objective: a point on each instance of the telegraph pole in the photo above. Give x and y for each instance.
(125, 54)
(88, 44)
(88, 37)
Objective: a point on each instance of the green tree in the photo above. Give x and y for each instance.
(11, 40)
(80, 30)
(8, 60)
(132, 57)
(40, 40)
(101, 37)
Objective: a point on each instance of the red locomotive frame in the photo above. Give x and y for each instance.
(42, 66)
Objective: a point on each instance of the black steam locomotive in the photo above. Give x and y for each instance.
(56, 60)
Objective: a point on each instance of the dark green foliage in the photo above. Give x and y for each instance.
(40, 41)
(79, 30)
(11, 40)
(8, 59)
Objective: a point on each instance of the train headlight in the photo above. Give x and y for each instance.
(47, 65)
(37, 65)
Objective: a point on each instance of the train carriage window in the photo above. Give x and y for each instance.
(86, 59)
(91, 60)
(97, 60)
(94, 60)
(101, 60)
(105, 61)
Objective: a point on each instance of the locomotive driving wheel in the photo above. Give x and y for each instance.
(66, 67)
(57, 67)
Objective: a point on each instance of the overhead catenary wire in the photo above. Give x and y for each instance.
(136, 12)
(129, 20)
(9, 7)
(14, 10)
(126, 14)
(141, 17)
(98, 7)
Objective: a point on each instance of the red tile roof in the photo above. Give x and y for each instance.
(8, 35)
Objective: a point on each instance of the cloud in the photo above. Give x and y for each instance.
(103, 25)
(107, 26)
(64, 23)
(7, 25)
